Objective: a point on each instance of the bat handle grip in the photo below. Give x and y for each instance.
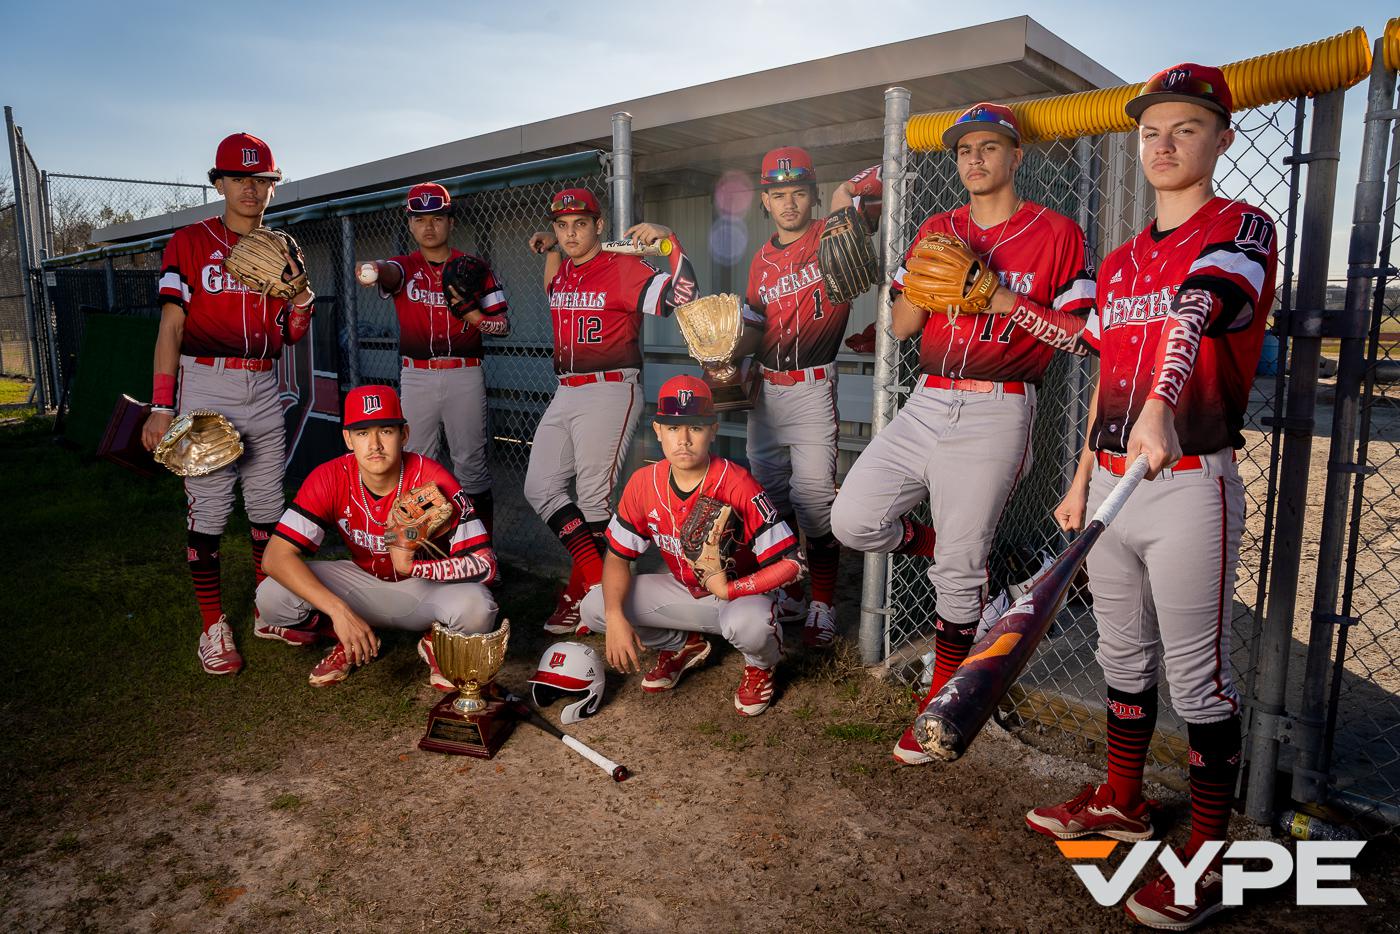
(1113, 503)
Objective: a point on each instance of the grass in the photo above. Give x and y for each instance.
(14, 391)
(99, 683)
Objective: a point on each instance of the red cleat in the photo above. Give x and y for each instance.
(669, 667)
(217, 653)
(435, 676)
(1092, 811)
(332, 669)
(755, 691)
(1154, 905)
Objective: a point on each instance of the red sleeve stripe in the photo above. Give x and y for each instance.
(172, 285)
(470, 531)
(624, 541)
(651, 295)
(493, 302)
(773, 542)
(1092, 329)
(1078, 294)
(303, 527)
(1232, 263)
(301, 543)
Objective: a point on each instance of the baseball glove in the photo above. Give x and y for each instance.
(259, 261)
(199, 442)
(705, 538)
(846, 256)
(943, 275)
(464, 282)
(416, 517)
(712, 327)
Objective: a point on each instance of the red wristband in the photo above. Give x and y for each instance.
(163, 390)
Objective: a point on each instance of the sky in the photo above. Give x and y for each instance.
(146, 90)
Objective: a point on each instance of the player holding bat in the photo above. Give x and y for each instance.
(1179, 324)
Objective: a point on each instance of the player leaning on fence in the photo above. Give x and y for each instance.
(1178, 327)
(962, 440)
(596, 302)
(216, 348)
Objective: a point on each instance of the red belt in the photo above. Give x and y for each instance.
(583, 379)
(793, 377)
(441, 363)
(1117, 464)
(238, 363)
(974, 385)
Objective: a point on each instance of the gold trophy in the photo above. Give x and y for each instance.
(712, 327)
(468, 723)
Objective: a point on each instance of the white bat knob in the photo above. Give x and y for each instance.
(368, 274)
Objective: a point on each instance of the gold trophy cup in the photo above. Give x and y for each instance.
(470, 722)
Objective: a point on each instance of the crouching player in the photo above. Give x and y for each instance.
(379, 586)
(672, 612)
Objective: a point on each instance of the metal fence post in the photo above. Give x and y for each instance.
(620, 179)
(873, 610)
(109, 278)
(25, 272)
(1310, 769)
(349, 331)
(1305, 326)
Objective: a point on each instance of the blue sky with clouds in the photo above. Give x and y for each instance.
(146, 90)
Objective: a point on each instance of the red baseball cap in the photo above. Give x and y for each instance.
(983, 117)
(428, 198)
(1188, 82)
(372, 406)
(685, 400)
(787, 165)
(574, 201)
(243, 154)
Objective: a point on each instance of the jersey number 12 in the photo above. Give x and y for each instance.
(589, 329)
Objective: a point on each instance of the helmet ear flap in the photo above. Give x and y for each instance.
(544, 694)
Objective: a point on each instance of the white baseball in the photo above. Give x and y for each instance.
(368, 274)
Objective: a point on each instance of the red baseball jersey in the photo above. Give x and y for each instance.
(1226, 248)
(334, 496)
(802, 328)
(653, 510)
(867, 193)
(426, 328)
(223, 317)
(597, 308)
(1036, 253)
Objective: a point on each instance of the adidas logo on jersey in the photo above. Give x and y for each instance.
(654, 515)
(217, 254)
(1117, 277)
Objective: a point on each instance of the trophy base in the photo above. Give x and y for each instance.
(477, 734)
(740, 391)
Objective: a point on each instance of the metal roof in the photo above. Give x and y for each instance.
(834, 106)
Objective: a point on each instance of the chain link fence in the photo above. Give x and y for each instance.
(25, 335)
(1096, 182)
(76, 205)
(355, 331)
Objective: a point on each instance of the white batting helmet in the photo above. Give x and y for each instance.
(569, 668)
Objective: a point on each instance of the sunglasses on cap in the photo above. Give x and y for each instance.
(1181, 82)
(794, 175)
(427, 202)
(674, 406)
(570, 204)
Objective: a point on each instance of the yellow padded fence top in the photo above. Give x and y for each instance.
(1391, 44)
(1325, 65)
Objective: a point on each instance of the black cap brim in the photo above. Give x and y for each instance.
(375, 423)
(1138, 105)
(686, 419)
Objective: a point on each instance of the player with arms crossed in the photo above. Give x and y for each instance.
(1182, 310)
(386, 582)
(670, 612)
(440, 347)
(596, 300)
(216, 349)
(963, 438)
(794, 425)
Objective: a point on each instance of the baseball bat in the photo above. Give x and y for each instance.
(659, 248)
(533, 717)
(960, 709)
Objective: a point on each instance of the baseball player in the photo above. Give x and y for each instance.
(1179, 326)
(379, 586)
(442, 381)
(793, 427)
(216, 348)
(597, 300)
(671, 612)
(963, 437)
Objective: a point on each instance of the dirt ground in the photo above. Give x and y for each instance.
(797, 820)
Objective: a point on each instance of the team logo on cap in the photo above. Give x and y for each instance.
(683, 396)
(557, 660)
(250, 157)
(372, 404)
